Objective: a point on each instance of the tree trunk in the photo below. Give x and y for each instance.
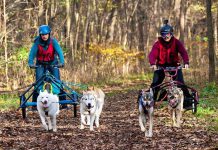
(5, 43)
(111, 22)
(68, 24)
(182, 20)
(85, 31)
(210, 42)
(216, 30)
(41, 13)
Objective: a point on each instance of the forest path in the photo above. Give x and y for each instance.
(119, 129)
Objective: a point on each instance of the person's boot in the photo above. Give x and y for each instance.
(34, 99)
(62, 96)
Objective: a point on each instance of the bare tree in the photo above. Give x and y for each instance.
(41, 13)
(68, 20)
(211, 50)
(5, 42)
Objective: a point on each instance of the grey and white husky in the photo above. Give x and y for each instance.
(146, 110)
(91, 105)
(175, 98)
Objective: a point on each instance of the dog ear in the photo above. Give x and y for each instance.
(140, 92)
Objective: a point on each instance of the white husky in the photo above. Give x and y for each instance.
(91, 105)
(146, 110)
(48, 107)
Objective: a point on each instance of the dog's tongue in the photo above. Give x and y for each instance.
(45, 105)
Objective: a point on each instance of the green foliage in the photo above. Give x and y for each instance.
(8, 102)
(198, 7)
(110, 5)
(205, 39)
(22, 53)
(115, 53)
(65, 50)
(210, 115)
(210, 90)
(208, 106)
(205, 112)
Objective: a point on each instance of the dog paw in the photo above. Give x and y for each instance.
(177, 125)
(82, 127)
(88, 123)
(148, 134)
(142, 129)
(45, 127)
(97, 125)
(55, 130)
(91, 129)
(50, 128)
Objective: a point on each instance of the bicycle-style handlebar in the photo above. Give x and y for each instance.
(46, 65)
(168, 70)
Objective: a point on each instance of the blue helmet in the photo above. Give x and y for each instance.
(166, 29)
(44, 29)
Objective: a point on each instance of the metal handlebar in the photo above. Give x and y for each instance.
(45, 65)
(170, 69)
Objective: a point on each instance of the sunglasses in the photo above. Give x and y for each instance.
(166, 35)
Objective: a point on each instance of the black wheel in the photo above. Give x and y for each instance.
(194, 106)
(24, 113)
(75, 110)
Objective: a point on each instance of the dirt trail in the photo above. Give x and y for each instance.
(119, 130)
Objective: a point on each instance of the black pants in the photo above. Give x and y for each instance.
(158, 78)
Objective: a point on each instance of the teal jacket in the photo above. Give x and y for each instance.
(56, 46)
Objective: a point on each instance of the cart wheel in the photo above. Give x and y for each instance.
(75, 110)
(194, 106)
(24, 113)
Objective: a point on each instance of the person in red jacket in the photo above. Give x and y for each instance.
(165, 53)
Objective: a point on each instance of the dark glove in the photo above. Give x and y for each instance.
(61, 65)
(31, 66)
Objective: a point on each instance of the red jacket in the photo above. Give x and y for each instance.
(46, 55)
(166, 53)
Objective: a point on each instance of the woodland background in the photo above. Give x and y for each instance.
(103, 39)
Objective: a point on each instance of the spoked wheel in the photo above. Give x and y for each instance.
(24, 113)
(194, 103)
(194, 106)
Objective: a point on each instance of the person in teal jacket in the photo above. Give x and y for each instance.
(45, 51)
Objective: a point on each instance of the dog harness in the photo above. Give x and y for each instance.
(47, 86)
(46, 55)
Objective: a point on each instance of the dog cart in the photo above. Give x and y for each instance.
(191, 102)
(66, 94)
